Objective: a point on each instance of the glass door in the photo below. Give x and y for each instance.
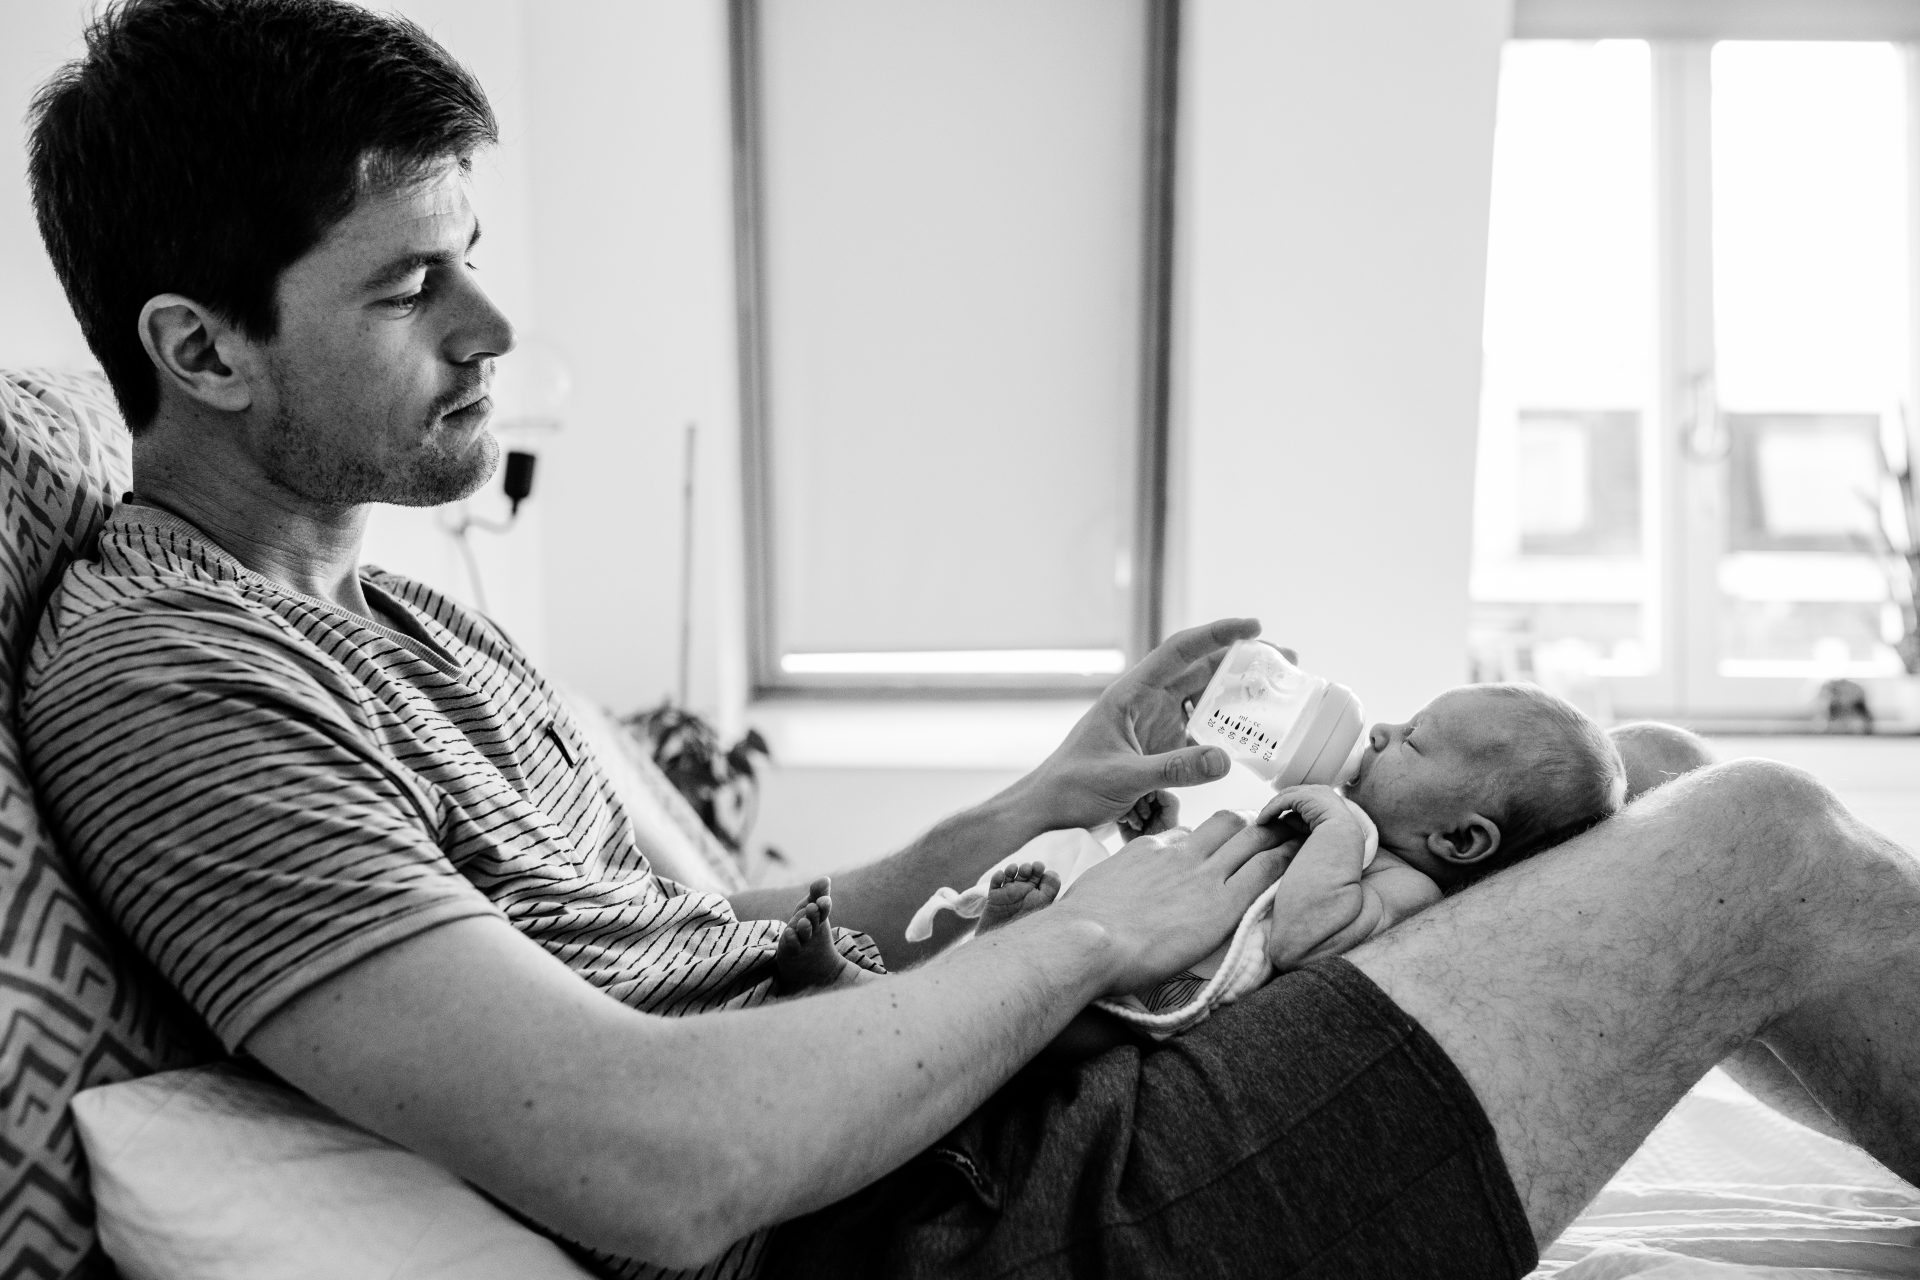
(1569, 517)
(1697, 352)
(1808, 237)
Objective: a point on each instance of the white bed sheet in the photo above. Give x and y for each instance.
(1726, 1189)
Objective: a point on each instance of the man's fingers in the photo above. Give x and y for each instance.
(1220, 828)
(1263, 868)
(1184, 648)
(1230, 839)
(1186, 767)
(1189, 684)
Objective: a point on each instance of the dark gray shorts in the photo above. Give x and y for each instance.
(1310, 1130)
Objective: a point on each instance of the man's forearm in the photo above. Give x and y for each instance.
(881, 897)
(669, 1138)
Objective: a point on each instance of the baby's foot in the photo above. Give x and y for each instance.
(804, 958)
(1015, 890)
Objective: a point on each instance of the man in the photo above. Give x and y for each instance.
(349, 824)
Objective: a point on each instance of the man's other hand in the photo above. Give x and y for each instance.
(1168, 900)
(1133, 741)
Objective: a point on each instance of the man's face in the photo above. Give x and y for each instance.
(377, 378)
(1429, 774)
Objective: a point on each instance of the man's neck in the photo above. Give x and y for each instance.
(304, 547)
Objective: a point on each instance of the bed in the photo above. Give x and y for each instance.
(1726, 1188)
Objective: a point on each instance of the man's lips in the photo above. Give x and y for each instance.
(471, 409)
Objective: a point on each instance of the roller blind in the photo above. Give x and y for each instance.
(950, 213)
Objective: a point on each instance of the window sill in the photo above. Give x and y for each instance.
(905, 734)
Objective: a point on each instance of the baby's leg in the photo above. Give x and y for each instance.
(1015, 890)
(805, 959)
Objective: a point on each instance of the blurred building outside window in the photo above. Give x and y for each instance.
(1697, 355)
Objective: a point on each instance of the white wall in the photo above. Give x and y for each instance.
(633, 219)
(36, 327)
(1335, 167)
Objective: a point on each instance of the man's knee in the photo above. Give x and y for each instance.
(1773, 812)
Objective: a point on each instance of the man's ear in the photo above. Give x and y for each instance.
(1474, 839)
(197, 353)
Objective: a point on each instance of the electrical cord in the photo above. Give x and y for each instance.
(516, 483)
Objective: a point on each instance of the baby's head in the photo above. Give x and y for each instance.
(1483, 776)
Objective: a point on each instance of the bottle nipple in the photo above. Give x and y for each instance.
(1351, 769)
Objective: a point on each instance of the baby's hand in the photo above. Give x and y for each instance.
(1317, 807)
(1322, 907)
(1152, 813)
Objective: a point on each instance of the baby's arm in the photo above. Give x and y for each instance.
(1403, 890)
(1327, 903)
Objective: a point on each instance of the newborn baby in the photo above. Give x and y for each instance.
(1479, 778)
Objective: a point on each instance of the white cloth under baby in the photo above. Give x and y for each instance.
(1236, 968)
(1067, 853)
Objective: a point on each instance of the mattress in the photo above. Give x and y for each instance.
(1726, 1188)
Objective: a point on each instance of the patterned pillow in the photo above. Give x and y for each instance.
(76, 1009)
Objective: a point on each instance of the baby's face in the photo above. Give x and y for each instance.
(1428, 775)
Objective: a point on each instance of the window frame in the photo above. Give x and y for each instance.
(1686, 682)
(1146, 602)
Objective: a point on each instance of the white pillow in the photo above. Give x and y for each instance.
(206, 1173)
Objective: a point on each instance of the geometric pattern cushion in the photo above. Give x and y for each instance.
(76, 1008)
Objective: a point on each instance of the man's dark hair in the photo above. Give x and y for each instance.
(201, 147)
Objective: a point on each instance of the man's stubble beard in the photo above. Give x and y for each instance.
(311, 466)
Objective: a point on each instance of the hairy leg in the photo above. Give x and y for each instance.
(1583, 992)
(1656, 754)
(1015, 890)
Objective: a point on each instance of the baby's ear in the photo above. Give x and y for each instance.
(1470, 842)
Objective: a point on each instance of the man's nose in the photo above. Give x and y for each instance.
(483, 330)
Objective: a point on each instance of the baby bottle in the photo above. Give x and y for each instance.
(1286, 725)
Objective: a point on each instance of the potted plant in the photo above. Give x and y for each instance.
(1894, 701)
(720, 782)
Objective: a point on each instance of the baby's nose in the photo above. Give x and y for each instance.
(1377, 737)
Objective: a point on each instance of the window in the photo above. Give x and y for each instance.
(955, 247)
(1697, 354)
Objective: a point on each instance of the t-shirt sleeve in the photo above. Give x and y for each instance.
(230, 809)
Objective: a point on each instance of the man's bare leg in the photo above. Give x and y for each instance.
(1583, 992)
(1656, 754)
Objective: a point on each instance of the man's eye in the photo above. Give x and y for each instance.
(407, 301)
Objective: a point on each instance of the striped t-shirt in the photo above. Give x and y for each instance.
(263, 788)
